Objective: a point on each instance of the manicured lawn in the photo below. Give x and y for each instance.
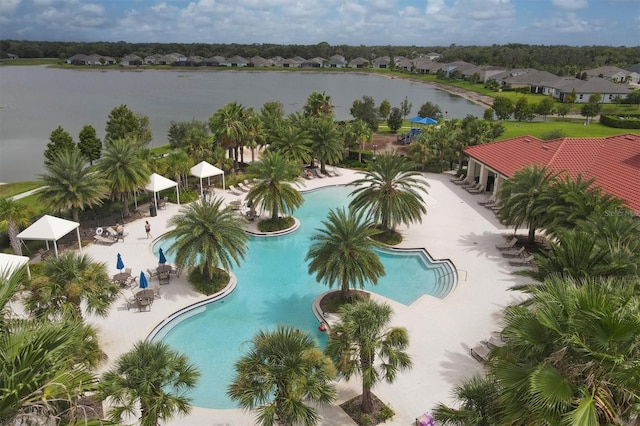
(29, 61)
(11, 189)
(570, 129)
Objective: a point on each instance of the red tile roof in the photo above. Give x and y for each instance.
(613, 161)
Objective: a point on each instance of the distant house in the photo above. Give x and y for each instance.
(194, 61)
(488, 72)
(336, 61)
(151, 59)
(615, 74)
(359, 63)
(276, 60)
(131, 60)
(11, 56)
(289, 63)
(259, 61)
(530, 78)
(180, 59)
(404, 64)
(613, 162)
(381, 62)
(216, 61)
(426, 66)
(432, 56)
(607, 90)
(81, 59)
(312, 63)
(238, 61)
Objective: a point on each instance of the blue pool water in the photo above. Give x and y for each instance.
(275, 288)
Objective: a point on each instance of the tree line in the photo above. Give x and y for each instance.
(559, 60)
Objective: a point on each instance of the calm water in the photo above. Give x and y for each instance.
(35, 100)
(274, 288)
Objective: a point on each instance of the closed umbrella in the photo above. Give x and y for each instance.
(119, 263)
(143, 280)
(162, 260)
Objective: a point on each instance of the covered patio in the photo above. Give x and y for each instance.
(50, 228)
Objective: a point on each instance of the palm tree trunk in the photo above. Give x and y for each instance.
(367, 401)
(323, 168)
(13, 231)
(125, 205)
(75, 215)
(532, 234)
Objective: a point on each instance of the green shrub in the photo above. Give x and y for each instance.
(390, 238)
(364, 419)
(628, 121)
(206, 285)
(553, 134)
(385, 414)
(186, 195)
(274, 225)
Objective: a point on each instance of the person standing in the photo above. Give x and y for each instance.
(147, 229)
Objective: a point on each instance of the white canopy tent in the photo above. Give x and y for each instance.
(11, 262)
(159, 183)
(50, 228)
(204, 169)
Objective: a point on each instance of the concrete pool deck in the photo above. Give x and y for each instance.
(441, 330)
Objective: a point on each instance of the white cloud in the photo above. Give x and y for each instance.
(570, 4)
(9, 6)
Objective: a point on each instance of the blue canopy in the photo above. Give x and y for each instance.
(422, 120)
(119, 263)
(143, 280)
(162, 260)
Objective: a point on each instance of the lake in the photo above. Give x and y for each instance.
(35, 100)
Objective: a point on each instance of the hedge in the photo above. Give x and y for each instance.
(628, 121)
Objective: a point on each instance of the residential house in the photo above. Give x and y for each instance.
(336, 61)
(94, 59)
(194, 61)
(531, 78)
(488, 72)
(166, 60)
(432, 56)
(403, 63)
(289, 63)
(614, 162)
(615, 74)
(316, 62)
(276, 60)
(11, 56)
(151, 59)
(607, 90)
(426, 66)
(358, 63)
(381, 62)
(238, 61)
(180, 59)
(216, 61)
(131, 60)
(259, 61)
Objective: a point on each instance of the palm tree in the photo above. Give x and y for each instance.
(421, 150)
(390, 192)
(479, 398)
(361, 133)
(318, 105)
(525, 198)
(571, 354)
(178, 165)
(13, 215)
(69, 185)
(282, 372)
(256, 132)
(70, 283)
(207, 236)
(343, 252)
(293, 142)
(228, 126)
(124, 170)
(274, 190)
(154, 378)
(363, 343)
(327, 145)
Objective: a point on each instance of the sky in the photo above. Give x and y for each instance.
(351, 22)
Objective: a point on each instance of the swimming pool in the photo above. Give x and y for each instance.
(275, 288)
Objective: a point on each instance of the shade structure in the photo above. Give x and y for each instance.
(203, 170)
(161, 258)
(143, 280)
(50, 228)
(119, 263)
(422, 120)
(159, 183)
(10, 263)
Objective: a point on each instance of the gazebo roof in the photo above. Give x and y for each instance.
(204, 169)
(48, 228)
(158, 183)
(11, 262)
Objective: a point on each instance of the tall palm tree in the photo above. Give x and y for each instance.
(13, 215)
(525, 198)
(293, 142)
(208, 236)
(256, 132)
(124, 169)
(363, 343)
(153, 378)
(479, 399)
(70, 283)
(421, 150)
(327, 144)
(274, 190)
(361, 133)
(318, 105)
(178, 165)
(70, 185)
(282, 372)
(228, 127)
(342, 253)
(571, 354)
(390, 192)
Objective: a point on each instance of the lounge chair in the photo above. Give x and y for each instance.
(481, 352)
(317, 173)
(494, 342)
(514, 252)
(458, 179)
(461, 182)
(525, 261)
(307, 174)
(509, 245)
(242, 187)
(489, 201)
(248, 183)
(235, 191)
(478, 190)
(473, 187)
(104, 240)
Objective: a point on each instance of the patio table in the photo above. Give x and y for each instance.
(122, 278)
(164, 268)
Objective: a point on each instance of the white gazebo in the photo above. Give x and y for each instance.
(159, 183)
(10, 263)
(50, 228)
(205, 170)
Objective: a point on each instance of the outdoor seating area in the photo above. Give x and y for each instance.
(142, 299)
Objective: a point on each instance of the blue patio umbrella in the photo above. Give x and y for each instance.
(119, 263)
(162, 260)
(143, 280)
(422, 120)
